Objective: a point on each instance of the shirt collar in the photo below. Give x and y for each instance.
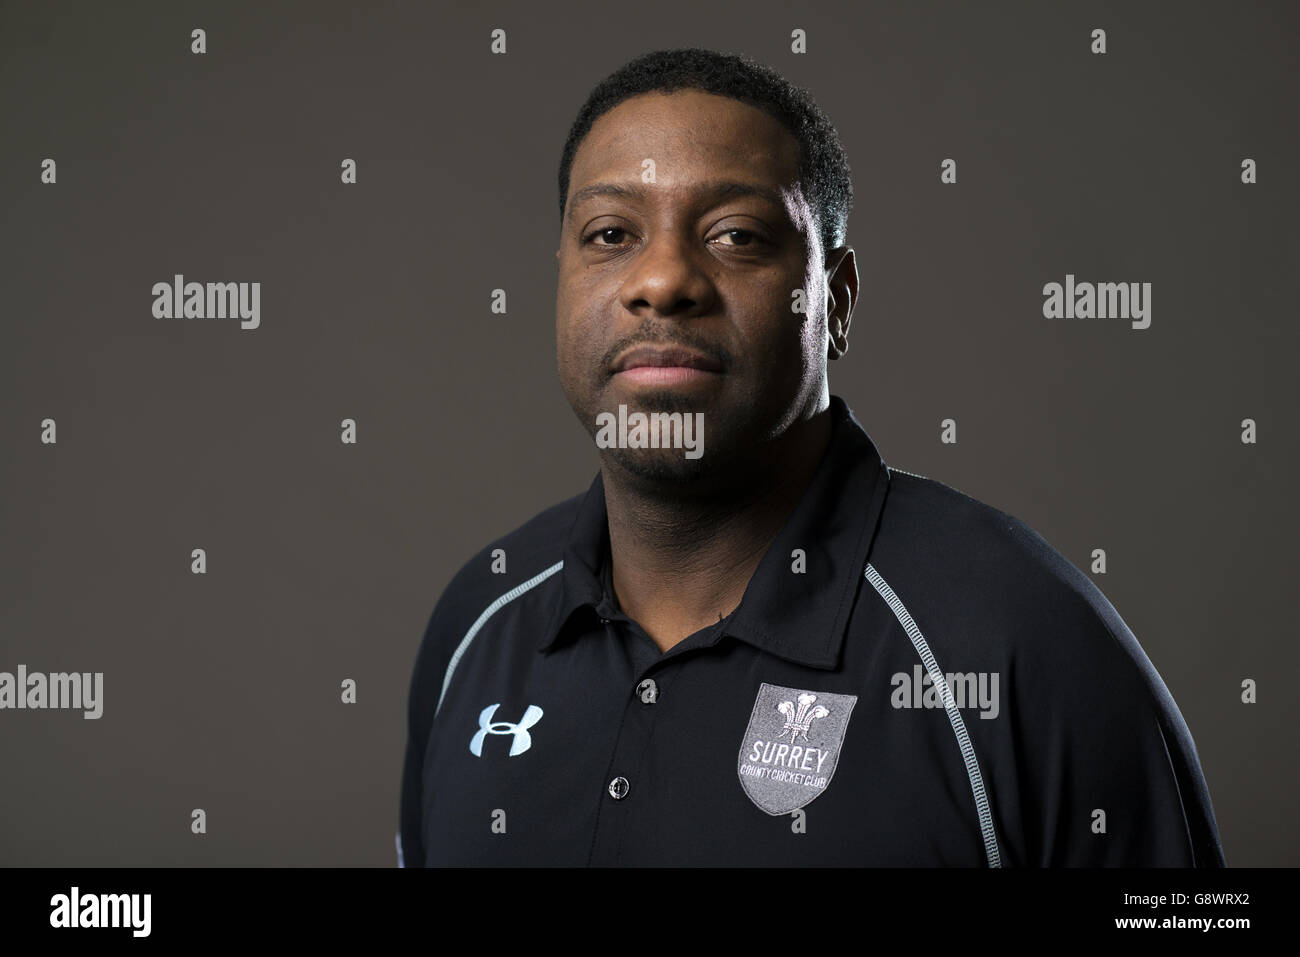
(801, 616)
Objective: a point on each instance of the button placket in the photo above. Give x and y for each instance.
(622, 810)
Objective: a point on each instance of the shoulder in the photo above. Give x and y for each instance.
(528, 554)
(1092, 722)
(976, 551)
(524, 552)
(994, 588)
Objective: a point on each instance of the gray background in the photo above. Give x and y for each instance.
(221, 691)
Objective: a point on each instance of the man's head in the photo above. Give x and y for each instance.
(754, 281)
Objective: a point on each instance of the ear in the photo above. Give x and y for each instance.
(841, 297)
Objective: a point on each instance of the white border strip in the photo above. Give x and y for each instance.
(488, 612)
(950, 705)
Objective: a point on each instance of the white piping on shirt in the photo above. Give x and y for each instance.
(906, 472)
(913, 633)
(488, 612)
(950, 706)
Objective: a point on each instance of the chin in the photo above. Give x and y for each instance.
(653, 466)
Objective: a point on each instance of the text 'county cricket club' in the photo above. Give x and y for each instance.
(791, 746)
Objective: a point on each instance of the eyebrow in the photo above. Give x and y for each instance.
(719, 190)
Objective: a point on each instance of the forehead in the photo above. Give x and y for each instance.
(692, 137)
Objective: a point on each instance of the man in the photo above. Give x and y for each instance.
(751, 642)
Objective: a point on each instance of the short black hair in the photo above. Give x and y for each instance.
(823, 164)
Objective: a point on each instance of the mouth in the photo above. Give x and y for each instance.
(665, 365)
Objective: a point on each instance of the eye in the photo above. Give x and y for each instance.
(604, 231)
(611, 236)
(745, 237)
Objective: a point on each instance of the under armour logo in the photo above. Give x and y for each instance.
(523, 740)
(798, 722)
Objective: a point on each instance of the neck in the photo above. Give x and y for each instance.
(682, 561)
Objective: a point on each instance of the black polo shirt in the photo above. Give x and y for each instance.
(912, 678)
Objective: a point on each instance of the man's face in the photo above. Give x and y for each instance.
(673, 264)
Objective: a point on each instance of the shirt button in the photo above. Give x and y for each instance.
(648, 691)
(618, 788)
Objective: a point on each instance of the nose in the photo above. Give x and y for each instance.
(668, 277)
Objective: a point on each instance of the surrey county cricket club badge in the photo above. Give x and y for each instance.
(789, 751)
